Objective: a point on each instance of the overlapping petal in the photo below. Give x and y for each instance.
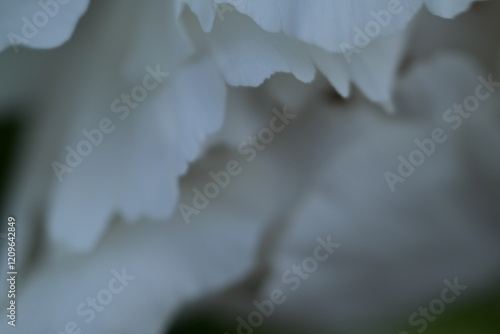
(150, 142)
(381, 233)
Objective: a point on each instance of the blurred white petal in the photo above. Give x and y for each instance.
(38, 24)
(460, 34)
(431, 217)
(134, 172)
(448, 8)
(173, 263)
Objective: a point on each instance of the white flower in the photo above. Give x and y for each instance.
(148, 99)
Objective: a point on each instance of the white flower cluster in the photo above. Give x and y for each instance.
(191, 143)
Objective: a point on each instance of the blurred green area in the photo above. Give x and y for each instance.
(477, 317)
(481, 317)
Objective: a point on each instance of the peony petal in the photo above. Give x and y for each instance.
(146, 152)
(334, 67)
(146, 155)
(327, 24)
(448, 8)
(247, 55)
(38, 24)
(373, 70)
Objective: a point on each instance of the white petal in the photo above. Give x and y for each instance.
(373, 70)
(448, 8)
(326, 23)
(29, 23)
(335, 68)
(247, 55)
(134, 172)
(157, 28)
